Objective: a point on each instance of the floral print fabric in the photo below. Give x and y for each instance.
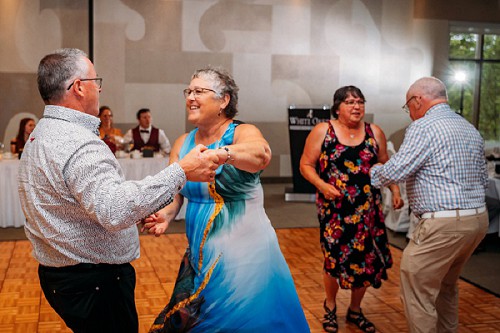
(353, 235)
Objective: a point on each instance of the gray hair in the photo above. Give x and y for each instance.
(57, 70)
(430, 87)
(222, 82)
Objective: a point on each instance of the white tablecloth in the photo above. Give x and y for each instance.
(11, 214)
(396, 219)
(137, 169)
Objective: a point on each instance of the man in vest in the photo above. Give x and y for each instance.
(146, 135)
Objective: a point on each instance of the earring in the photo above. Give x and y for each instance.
(220, 111)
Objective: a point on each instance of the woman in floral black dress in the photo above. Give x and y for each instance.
(337, 159)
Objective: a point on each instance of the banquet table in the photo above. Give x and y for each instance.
(11, 214)
(138, 168)
(397, 220)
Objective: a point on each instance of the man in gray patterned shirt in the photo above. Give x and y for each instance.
(80, 212)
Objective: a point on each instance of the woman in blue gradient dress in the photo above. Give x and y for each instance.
(233, 277)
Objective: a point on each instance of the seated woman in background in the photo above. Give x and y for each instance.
(107, 132)
(26, 126)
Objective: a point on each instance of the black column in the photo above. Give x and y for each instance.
(91, 30)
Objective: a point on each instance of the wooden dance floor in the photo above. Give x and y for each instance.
(23, 308)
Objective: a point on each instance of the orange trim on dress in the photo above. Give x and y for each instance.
(219, 203)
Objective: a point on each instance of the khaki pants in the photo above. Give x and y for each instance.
(430, 267)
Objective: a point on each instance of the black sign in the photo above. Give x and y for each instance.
(300, 123)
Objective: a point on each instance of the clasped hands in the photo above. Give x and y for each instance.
(200, 163)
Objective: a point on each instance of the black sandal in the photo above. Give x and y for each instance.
(330, 319)
(360, 320)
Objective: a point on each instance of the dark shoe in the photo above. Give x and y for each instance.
(360, 320)
(330, 319)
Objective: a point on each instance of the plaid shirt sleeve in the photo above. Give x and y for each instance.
(412, 155)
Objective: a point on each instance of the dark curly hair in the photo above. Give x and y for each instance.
(341, 94)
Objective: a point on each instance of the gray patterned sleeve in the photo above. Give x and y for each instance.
(94, 177)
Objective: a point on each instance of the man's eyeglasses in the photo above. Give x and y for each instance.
(405, 107)
(351, 103)
(197, 92)
(97, 79)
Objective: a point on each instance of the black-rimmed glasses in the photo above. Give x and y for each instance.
(197, 92)
(351, 103)
(97, 79)
(405, 107)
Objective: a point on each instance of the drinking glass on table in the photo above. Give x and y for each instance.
(128, 146)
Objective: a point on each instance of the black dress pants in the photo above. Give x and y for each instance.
(92, 297)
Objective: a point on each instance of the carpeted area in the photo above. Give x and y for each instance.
(482, 270)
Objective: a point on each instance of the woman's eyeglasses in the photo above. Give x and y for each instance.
(197, 92)
(351, 103)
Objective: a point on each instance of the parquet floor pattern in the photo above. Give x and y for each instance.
(23, 308)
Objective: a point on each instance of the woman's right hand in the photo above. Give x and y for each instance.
(330, 192)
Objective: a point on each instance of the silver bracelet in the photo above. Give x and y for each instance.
(228, 159)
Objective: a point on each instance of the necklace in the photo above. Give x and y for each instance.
(349, 129)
